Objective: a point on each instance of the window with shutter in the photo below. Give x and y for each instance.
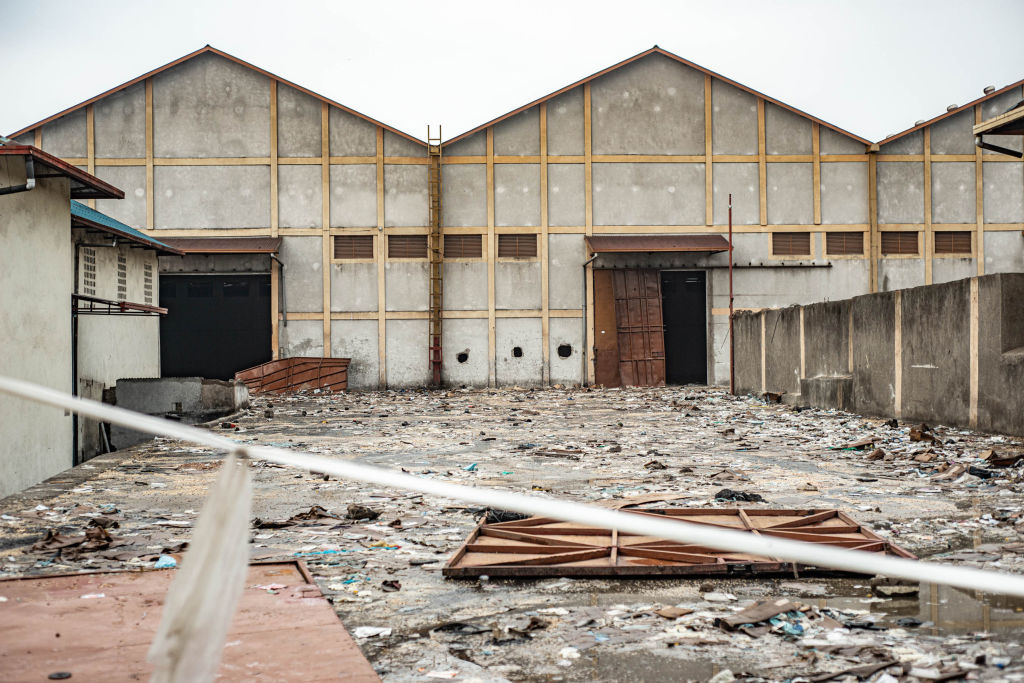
(517, 246)
(958, 242)
(899, 243)
(407, 246)
(791, 244)
(463, 246)
(844, 243)
(353, 246)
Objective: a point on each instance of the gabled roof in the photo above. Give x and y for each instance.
(83, 185)
(659, 51)
(212, 50)
(84, 217)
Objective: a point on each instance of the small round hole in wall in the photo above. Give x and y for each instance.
(462, 356)
(564, 350)
(517, 352)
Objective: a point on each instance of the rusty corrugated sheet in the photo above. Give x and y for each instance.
(293, 374)
(603, 244)
(225, 245)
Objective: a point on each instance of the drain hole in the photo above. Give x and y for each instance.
(462, 357)
(517, 352)
(564, 350)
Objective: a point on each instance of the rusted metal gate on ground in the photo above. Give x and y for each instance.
(541, 546)
(293, 374)
(639, 327)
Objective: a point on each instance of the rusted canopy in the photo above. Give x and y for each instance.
(83, 185)
(610, 244)
(225, 245)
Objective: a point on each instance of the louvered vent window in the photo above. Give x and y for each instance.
(463, 246)
(791, 244)
(147, 283)
(89, 271)
(407, 246)
(122, 277)
(844, 243)
(953, 243)
(517, 246)
(353, 246)
(899, 243)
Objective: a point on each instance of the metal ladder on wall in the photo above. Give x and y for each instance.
(436, 257)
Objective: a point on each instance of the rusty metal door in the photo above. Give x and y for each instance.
(606, 343)
(639, 327)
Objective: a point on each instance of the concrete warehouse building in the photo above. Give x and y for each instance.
(383, 238)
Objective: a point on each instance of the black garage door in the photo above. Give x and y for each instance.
(215, 324)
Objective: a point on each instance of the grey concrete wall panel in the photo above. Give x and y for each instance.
(469, 337)
(950, 269)
(216, 263)
(210, 106)
(349, 135)
(782, 350)
(1000, 362)
(566, 254)
(652, 106)
(406, 286)
(212, 196)
(908, 144)
(900, 192)
(790, 194)
(517, 285)
(357, 339)
(785, 132)
(518, 135)
(398, 146)
(1000, 105)
(565, 331)
(953, 192)
(132, 179)
(565, 123)
(1004, 191)
(465, 286)
(648, 194)
(747, 369)
(874, 353)
(954, 135)
(936, 360)
(831, 142)
(1004, 252)
(846, 278)
(304, 283)
(567, 198)
(464, 195)
(353, 287)
(525, 334)
(844, 193)
(517, 194)
(120, 124)
(302, 338)
(474, 145)
(407, 364)
(740, 180)
(26, 138)
(298, 123)
(899, 273)
(719, 360)
(300, 196)
(66, 136)
(733, 120)
(353, 196)
(406, 201)
(826, 339)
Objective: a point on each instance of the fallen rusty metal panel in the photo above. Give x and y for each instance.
(99, 626)
(293, 374)
(540, 546)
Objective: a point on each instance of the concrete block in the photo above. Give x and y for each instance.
(518, 135)
(1000, 362)
(995, 107)
(1004, 252)
(405, 195)
(1004, 191)
(524, 334)
(652, 106)
(464, 354)
(827, 392)
(407, 364)
(298, 123)
(464, 195)
(874, 353)
(950, 269)
(517, 285)
(896, 273)
(782, 350)
(120, 123)
(132, 179)
(953, 192)
(465, 285)
(747, 331)
(304, 284)
(846, 278)
(516, 194)
(648, 194)
(357, 339)
(25, 139)
(785, 132)
(302, 338)
(349, 135)
(565, 123)
(912, 143)
(733, 120)
(210, 106)
(567, 200)
(741, 180)
(300, 196)
(954, 135)
(826, 339)
(353, 287)
(833, 142)
(399, 146)
(474, 145)
(790, 194)
(353, 196)
(719, 360)
(844, 193)
(65, 137)
(566, 254)
(900, 191)
(565, 352)
(407, 285)
(195, 398)
(212, 196)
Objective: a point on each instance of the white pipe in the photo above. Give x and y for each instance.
(714, 537)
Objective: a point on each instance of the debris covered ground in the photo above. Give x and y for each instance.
(941, 493)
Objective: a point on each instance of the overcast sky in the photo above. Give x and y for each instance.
(872, 67)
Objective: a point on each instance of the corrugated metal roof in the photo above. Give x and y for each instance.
(84, 216)
(603, 244)
(226, 245)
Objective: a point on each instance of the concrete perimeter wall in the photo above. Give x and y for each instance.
(951, 353)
